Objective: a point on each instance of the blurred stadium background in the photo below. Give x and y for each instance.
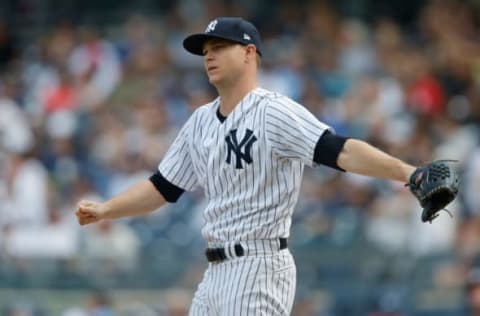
(92, 92)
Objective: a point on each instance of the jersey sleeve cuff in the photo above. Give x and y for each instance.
(328, 149)
(169, 191)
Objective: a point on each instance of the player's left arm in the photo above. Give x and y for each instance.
(434, 185)
(295, 133)
(359, 157)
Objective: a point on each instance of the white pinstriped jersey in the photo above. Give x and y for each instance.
(250, 166)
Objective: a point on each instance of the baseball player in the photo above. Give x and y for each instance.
(246, 149)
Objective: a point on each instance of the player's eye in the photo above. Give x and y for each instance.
(218, 46)
(214, 47)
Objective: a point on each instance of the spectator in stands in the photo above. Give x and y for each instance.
(96, 68)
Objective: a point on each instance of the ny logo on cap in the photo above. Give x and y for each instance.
(211, 26)
(246, 36)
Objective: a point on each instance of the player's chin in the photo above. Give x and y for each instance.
(214, 79)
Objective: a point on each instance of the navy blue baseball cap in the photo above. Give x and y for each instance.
(228, 28)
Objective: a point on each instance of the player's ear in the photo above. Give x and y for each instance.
(251, 53)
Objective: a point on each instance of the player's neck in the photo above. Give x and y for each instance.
(231, 95)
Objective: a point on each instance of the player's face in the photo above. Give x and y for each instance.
(223, 60)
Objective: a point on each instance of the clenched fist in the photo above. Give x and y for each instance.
(90, 212)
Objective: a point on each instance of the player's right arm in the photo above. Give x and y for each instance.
(140, 199)
(175, 174)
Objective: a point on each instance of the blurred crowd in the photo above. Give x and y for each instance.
(87, 111)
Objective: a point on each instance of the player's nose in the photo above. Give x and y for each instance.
(208, 56)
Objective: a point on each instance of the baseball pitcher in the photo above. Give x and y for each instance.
(247, 150)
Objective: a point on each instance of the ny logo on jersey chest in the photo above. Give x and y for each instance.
(241, 150)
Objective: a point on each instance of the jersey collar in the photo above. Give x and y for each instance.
(250, 100)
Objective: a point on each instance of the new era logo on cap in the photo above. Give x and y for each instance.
(229, 28)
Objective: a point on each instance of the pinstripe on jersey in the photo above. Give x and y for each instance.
(254, 201)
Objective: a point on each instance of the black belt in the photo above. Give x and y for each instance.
(219, 254)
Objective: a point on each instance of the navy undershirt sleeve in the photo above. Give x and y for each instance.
(170, 192)
(328, 148)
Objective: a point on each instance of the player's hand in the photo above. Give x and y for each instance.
(90, 212)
